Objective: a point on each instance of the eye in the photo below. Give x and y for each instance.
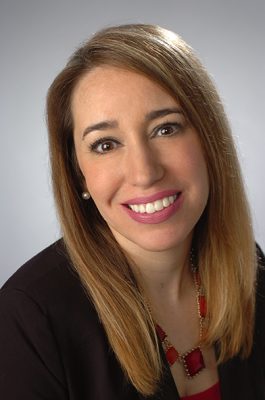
(104, 145)
(167, 129)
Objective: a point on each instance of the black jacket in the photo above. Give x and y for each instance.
(53, 346)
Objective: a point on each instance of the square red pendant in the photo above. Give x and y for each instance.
(172, 355)
(193, 362)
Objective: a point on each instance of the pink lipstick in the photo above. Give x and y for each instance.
(156, 216)
(153, 197)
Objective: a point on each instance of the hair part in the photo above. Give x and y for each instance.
(223, 237)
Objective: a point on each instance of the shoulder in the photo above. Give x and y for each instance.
(48, 281)
(46, 294)
(47, 273)
(48, 328)
(49, 261)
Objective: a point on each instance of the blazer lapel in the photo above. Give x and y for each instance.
(168, 389)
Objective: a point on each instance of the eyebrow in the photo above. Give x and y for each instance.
(162, 113)
(110, 124)
(100, 126)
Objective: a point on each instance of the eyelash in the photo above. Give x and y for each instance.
(177, 127)
(93, 146)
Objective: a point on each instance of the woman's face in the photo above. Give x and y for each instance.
(141, 159)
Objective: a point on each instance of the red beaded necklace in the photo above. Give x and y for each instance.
(192, 360)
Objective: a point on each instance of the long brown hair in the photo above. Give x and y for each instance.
(223, 237)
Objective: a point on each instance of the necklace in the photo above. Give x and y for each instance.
(192, 360)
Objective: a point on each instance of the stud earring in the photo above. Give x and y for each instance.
(85, 195)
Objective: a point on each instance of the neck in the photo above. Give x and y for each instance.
(164, 276)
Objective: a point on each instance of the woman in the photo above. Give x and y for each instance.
(153, 290)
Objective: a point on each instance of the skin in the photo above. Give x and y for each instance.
(142, 162)
(144, 157)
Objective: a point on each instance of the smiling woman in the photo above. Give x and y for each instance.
(146, 159)
(156, 287)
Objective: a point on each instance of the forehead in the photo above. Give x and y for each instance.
(108, 87)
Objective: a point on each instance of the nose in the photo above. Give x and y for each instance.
(142, 166)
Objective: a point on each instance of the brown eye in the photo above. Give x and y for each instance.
(167, 130)
(104, 145)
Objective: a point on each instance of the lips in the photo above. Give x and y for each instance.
(155, 208)
(153, 197)
(151, 216)
(152, 207)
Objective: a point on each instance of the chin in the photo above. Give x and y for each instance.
(162, 243)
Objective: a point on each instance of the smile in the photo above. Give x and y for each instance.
(156, 208)
(152, 207)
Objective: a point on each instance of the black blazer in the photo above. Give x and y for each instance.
(53, 346)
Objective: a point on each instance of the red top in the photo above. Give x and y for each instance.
(213, 393)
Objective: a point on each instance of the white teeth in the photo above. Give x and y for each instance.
(171, 199)
(166, 202)
(141, 208)
(157, 205)
(149, 208)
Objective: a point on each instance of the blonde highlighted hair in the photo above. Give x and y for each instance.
(223, 237)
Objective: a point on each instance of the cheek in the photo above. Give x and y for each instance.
(100, 182)
(189, 160)
(193, 167)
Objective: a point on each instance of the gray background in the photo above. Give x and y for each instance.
(38, 36)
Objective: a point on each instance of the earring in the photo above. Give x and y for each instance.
(85, 195)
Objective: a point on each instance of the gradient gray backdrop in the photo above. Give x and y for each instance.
(38, 36)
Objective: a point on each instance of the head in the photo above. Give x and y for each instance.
(166, 59)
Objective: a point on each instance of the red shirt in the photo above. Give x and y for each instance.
(213, 393)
